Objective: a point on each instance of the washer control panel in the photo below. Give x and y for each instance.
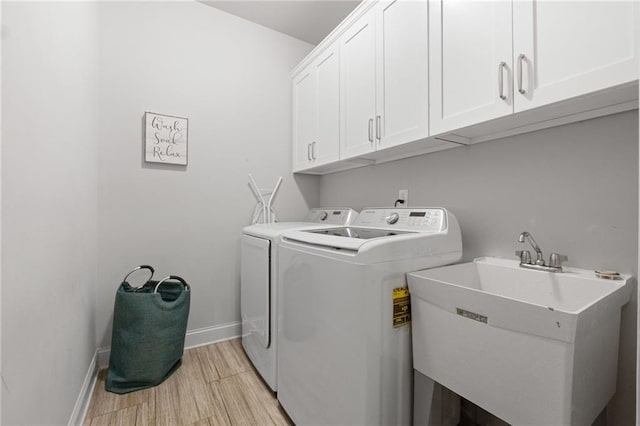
(409, 219)
(331, 216)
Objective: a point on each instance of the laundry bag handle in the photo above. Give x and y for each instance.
(172, 277)
(150, 268)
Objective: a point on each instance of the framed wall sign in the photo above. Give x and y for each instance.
(166, 139)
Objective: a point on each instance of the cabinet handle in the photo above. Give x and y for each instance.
(520, 62)
(309, 151)
(371, 130)
(501, 68)
(313, 150)
(378, 129)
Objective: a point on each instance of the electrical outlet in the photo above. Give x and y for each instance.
(403, 194)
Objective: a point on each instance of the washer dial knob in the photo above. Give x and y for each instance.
(324, 216)
(393, 218)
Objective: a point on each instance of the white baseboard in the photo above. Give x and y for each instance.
(194, 338)
(209, 335)
(82, 403)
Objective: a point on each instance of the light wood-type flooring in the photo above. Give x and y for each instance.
(216, 385)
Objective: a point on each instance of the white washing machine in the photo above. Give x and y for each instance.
(258, 292)
(344, 342)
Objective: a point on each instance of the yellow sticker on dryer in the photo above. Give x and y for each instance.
(401, 307)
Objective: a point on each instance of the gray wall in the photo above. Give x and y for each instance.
(80, 207)
(49, 199)
(230, 77)
(575, 188)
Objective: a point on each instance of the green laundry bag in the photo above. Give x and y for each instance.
(149, 328)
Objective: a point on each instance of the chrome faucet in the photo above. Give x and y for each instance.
(529, 237)
(555, 260)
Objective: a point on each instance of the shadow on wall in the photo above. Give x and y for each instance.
(309, 188)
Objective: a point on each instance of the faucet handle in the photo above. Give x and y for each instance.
(555, 260)
(524, 255)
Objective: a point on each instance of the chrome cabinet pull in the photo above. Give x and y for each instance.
(371, 130)
(309, 151)
(378, 128)
(520, 62)
(501, 68)
(313, 150)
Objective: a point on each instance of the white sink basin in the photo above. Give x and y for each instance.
(529, 346)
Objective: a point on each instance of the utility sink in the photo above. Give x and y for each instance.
(531, 347)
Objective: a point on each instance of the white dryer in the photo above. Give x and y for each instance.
(258, 290)
(344, 342)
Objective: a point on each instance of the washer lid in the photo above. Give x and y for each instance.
(360, 233)
(338, 238)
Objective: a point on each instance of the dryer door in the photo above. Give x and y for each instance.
(255, 286)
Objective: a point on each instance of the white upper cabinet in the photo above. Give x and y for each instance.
(316, 112)
(327, 146)
(384, 64)
(399, 78)
(489, 59)
(470, 52)
(402, 98)
(358, 94)
(304, 117)
(564, 49)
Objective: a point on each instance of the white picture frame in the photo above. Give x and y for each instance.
(166, 139)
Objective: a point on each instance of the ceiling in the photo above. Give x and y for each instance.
(307, 20)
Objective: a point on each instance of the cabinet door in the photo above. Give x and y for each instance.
(304, 117)
(469, 40)
(357, 95)
(402, 72)
(572, 48)
(327, 144)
